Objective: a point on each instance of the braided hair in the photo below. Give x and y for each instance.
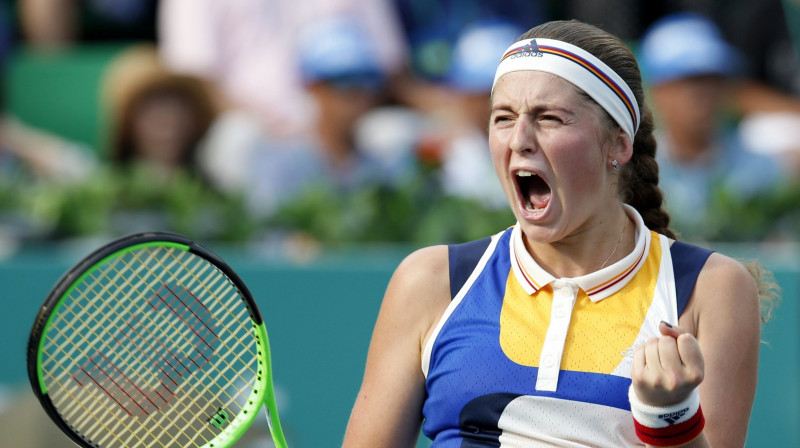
(639, 177)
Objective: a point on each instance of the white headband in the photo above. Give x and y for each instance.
(579, 67)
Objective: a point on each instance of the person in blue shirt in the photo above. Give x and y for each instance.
(689, 68)
(575, 326)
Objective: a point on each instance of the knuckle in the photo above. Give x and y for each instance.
(695, 376)
(642, 379)
(657, 382)
(673, 381)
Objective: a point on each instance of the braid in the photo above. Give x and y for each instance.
(639, 177)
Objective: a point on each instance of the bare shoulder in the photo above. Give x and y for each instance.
(726, 295)
(424, 266)
(419, 290)
(388, 409)
(729, 275)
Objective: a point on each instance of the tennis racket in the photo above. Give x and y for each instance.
(152, 341)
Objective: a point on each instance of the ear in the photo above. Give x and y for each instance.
(621, 148)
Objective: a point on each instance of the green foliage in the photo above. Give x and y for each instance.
(769, 215)
(124, 201)
(418, 212)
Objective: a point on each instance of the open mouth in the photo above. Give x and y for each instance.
(534, 190)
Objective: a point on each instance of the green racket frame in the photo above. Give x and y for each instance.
(262, 392)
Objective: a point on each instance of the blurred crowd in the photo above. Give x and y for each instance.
(366, 120)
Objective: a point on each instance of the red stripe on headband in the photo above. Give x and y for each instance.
(513, 52)
(597, 72)
(585, 64)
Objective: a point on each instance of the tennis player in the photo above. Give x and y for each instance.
(586, 323)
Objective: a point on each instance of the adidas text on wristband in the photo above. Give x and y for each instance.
(666, 426)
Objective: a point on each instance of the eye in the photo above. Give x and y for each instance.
(549, 117)
(499, 119)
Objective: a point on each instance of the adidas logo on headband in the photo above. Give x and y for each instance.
(579, 67)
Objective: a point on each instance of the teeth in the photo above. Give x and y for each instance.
(530, 207)
(525, 173)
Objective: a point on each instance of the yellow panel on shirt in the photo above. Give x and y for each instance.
(600, 332)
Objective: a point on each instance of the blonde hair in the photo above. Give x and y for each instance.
(769, 292)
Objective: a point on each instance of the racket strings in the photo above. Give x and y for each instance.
(146, 271)
(81, 404)
(119, 373)
(110, 375)
(91, 328)
(105, 388)
(125, 315)
(225, 307)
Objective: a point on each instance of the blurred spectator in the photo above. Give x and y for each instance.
(30, 154)
(467, 168)
(759, 30)
(775, 134)
(340, 68)
(60, 23)
(432, 29)
(246, 50)
(766, 95)
(158, 118)
(771, 99)
(450, 134)
(689, 66)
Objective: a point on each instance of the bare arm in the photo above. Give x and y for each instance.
(753, 97)
(43, 154)
(724, 311)
(388, 410)
(716, 346)
(50, 23)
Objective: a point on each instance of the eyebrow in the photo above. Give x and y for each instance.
(500, 107)
(535, 109)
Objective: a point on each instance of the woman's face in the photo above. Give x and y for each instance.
(163, 127)
(690, 107)
(550, 148)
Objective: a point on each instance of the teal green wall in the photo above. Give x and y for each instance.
(320, 315)
(60, 91)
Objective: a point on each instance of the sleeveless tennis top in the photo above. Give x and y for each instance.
(521, 358)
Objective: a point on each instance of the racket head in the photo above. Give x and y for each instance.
(152, 340)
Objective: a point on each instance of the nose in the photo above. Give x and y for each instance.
(523, 137)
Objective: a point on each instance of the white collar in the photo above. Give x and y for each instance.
(597, 285)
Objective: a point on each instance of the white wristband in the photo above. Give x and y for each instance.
(663, 416)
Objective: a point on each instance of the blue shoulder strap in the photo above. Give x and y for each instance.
(463, 259)
(687, 261)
